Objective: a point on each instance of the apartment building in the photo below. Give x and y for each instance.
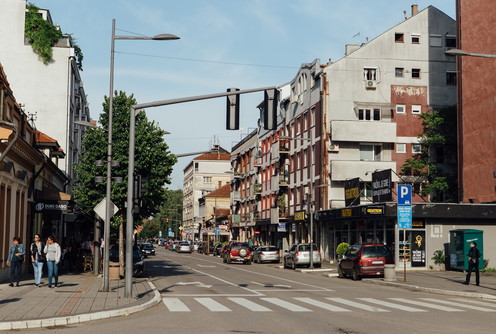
(476, 102)
(202, 175)
(34, 81)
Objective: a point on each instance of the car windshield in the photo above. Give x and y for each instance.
(148, 246)
(306, 248)
(352, 251)
(238, 246)
(375, 251)
(268, 249)
(184, 244)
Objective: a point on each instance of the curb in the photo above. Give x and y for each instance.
(433, 290)
(75, 319)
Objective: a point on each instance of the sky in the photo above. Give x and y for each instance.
(223, 43)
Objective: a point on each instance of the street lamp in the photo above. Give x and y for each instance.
(108, 192)
(458, 52)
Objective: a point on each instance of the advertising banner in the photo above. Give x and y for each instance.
(381, 186)
(418, 248)
(352, 192)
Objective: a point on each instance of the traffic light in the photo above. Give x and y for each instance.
(167, 220)
(232, 107)
(271, 99)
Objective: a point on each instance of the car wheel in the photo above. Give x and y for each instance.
(228, 261)
(248, 262)
(224, 260)
(355, 275)
(318, 265)
(284, 265)
(341, 273)
(293, 266)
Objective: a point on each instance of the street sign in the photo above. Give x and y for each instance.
(404, 216)
(217, 231)
(100, 208)
(404, 194)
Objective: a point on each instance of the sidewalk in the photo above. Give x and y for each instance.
(77, 299)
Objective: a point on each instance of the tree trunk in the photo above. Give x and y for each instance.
(121, 246)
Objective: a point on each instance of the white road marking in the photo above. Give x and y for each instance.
(392, 305)
(175, 305)
(428, 305)
(358, 305)
(286, 305)
(212, 305)
(272, 285)
(250, 305)
(325, 306)
(198, 284)
(460, 305)
(205, 266)
(486, 303)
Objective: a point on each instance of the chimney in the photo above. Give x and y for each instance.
(414, 10)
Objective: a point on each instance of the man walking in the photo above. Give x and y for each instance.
(473, 263)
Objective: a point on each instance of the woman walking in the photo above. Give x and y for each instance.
(53, 252)
(38, 258)
(15, 260)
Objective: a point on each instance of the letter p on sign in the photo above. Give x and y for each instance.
(404, 194)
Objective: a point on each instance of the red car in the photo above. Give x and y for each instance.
(237, 252)
(364, 260)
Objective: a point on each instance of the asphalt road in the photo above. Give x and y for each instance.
(203, 295)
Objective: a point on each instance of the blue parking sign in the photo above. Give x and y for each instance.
(405, 216)
(404, 194)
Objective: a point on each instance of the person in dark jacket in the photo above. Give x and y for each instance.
(473, 264)
(15, 259)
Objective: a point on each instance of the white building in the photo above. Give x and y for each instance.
(202, 175)
(54, 91)
(375, 94)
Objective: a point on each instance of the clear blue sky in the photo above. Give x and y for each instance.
(224, 43)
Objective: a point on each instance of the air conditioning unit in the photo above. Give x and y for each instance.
(370, 84)
(334, 148)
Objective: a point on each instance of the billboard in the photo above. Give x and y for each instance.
(352, 192)
(381, 186)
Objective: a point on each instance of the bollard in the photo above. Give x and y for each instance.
(389, 272)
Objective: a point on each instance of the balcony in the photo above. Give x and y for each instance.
(278, 181)
(257, 189)
(236, 196)
(347, 169)
(363, 131)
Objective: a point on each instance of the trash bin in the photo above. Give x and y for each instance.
(390, 272)
(459, 246)
(114, 270)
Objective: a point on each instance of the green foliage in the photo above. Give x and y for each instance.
(171, 208)
(342, 247)
(439, 257)
(41, 34)
(439, 130)
(150, 229)
(152, 159)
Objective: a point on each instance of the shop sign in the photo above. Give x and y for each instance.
(418, 248)
(300, 215)
(293, 227)
(53, 206)
(346, 212)
(418, 224)
(381, 186)
(352, 192)
(281, 227)
(374, 210)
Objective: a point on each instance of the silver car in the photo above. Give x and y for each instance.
(266, 254)
(299, 255)
(183, 247)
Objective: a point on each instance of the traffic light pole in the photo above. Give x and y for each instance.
(128, 291)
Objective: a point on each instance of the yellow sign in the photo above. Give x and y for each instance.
(299, 216)
(374, 210)
(346, 213)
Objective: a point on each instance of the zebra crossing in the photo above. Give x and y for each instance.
(332, 304)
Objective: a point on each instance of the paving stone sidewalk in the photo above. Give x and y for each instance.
(75, 295)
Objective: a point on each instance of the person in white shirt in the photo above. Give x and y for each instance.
(53, 253)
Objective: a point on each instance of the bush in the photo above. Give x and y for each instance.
(342, 247)
(439, 257)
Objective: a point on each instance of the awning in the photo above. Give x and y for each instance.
(54, 195)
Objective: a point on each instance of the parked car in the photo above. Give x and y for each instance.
(299, 254)
(364, 260)
(174, 245)
(183, 247)
(266, 254)
(138, 259)
(217, 249)
(147, 249)
(237, 252)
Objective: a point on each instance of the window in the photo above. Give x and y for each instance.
(400, 109)
(197, 166)
(207, 179)
(400, 148)
(450, 78)
(370, 73)
(398, 72)
(415, 39)
(369, 114)
(416, 73)
(366, 190)
(370, 152)
(450, 42)
(399, 37)
(416, 148)
(416, 109)
(436, 41)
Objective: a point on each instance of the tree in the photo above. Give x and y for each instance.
(439, 135)
(153, 161)
(170, 212)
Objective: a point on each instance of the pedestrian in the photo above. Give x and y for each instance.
(473, 263)
(53, 253)
(15, 260)
(38, 258)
